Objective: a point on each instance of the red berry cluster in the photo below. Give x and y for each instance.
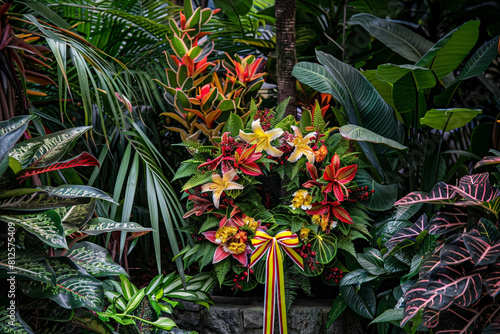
(334, 274)
(284, 147)
(228, 146)
(197, 237)
(265, 118)
(308, 255)
(360, 194)
(238, 278)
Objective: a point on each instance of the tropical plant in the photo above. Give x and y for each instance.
(140, 310)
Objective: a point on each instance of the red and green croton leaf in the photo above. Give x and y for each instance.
(83, 160)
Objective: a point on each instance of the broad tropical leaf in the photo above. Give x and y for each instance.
(74, 288)
(78, 214)
(357, 277)
(488, 161)
(103, 225)
(476, 187)
(481, 251)
(453, 282)
(358, 133)
(16, 325)
(94, 259)
(449, 119)
(83, 160)
(492, 281)
(401, 40)
(28, 199)
(407, 236)
(46, 226)
(480, 60)
(72, 191)
(363, 303)
(50, 147)
(449, 52)
(11, 131)
(440, 193)
(448, 220)
(29, 266)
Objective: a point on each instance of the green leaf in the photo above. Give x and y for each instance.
(480, 60)
(325, 246)
(390, 315)
(363, 306)
(384, 196)
(74, 288)
(72, 191)
(27, 199)
(78, 214)
(233, 125)
(401, 40)
(154, 284)
(423, 77)
(47, 13)
(449, 52)
(234, 9)
(357, 277)
(135, 300)
(94, 259)
(221, 269)
(164, 323)
(354, 132)
(286, 123)
(28, 266)
(449, 119)
(128, 288)
(336, 310)
(46, 226)
(51, 147)
(374, 264)
(16, 324)
(10, 132)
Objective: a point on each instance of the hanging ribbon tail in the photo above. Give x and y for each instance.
(275, 280)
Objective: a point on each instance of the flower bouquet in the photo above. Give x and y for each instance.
(272, 186)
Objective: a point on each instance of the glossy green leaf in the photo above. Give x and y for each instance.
(94, 259)
(358, 133)
(384, 195)
(10, 132)
(128, 288)
(28, 266)
(28, 199)
(449, 52)
(135, 300)
(389, 315)
(339, 305)
(16, 324)
(234, 9)
(164, 323)
(46, 226)
(325, 246)
(357, 277)
(363, 306)
(74, 288)
(398, 38)
(423, 77)
(78, 214)
(103, 225)
(72, 191)
(449, 119)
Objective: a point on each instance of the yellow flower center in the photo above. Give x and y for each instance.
(225, 232)
(236, 247)
(251, 223)
(304, 233)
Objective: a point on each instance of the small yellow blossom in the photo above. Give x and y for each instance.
(321, 220)
(236, 247)
(224, 233)
(262, 139)
(304, 233)
(301, 146)
(301, 199)
(251, 223)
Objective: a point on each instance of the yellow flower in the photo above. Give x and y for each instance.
(236, 247)
(301, 200)
(301, 146)
(224, 233)
(324, 222)
(251, 223)
(304, 233)
(316, 219)
(220, 184)
(262, 139)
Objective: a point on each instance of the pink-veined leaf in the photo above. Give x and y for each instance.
(407, 236)
(492, 281)
(481, 251)
(83, 160)
(448, 220)
(487, 161)
(476, 187)
(440, 193)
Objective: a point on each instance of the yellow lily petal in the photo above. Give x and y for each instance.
(262, 139)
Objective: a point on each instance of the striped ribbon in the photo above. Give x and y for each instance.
(275, 282)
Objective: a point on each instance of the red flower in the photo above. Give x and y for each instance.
(338, 177)
(313, 173)
(244, 159)
(331, 209)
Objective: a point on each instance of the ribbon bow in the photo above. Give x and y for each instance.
(275, 282)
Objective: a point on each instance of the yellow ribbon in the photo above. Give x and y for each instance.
(275, 282)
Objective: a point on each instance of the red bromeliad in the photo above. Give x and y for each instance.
(338, 177)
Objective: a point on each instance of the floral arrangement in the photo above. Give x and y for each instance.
(270, 175)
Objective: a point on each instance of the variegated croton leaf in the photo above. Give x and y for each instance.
(16, 325)
(407, 236)
(28, 199)
(11, 131)
(72, 191)
(440, 193)
(78, 214)
(47, 226)
(83, 160)
(103, 225)
(94, 259)
(74, 287)
(28, 266)
(481, 251)
(448, 220)
(492, 280)
(50, 148)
